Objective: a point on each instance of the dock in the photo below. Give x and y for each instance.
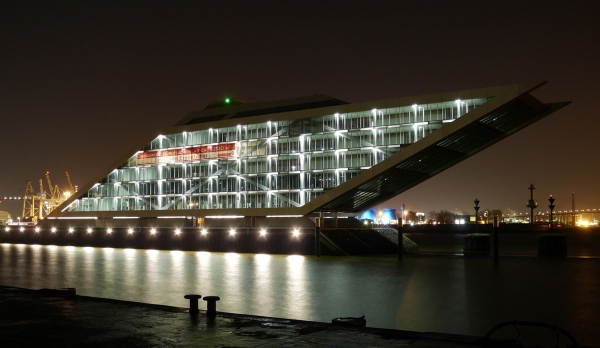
(61, 318)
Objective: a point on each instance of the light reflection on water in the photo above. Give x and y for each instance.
(263, 284)
(440, 294)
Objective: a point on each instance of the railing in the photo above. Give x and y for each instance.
(516, 323)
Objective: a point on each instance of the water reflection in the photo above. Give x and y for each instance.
(295, 293)
(178, 274)
(441, 294)
(203, 267)
(263, 284)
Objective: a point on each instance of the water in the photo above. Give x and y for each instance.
(584, 242)
(440, 294)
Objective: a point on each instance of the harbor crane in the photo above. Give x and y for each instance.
(73, 188)
(38, 205)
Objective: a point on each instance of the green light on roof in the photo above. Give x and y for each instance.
(227, 100)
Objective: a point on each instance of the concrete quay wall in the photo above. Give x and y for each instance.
(245, 240)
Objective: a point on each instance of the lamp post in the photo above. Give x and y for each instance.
(552, 243)
(531, 204)
(551, 206)
(476, 201)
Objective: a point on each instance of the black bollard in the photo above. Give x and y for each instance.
(193, 302)
(211, 305)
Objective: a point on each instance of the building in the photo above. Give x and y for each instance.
(296, 159)
(5, 218)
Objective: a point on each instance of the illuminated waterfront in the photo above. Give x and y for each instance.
(440, 294)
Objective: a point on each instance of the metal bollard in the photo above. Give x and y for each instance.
(193, 302)
(211, 305)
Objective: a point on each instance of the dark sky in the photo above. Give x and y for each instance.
(80, 82)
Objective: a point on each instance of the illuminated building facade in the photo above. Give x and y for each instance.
(302, 156)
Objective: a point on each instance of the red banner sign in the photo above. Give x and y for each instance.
(188, 154)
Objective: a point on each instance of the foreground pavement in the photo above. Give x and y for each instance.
(59, 318)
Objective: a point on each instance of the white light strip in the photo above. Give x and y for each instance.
(283, 216)
(73, 218)
(126, 217)
(447, 121)
(224, 216)
(170, 217)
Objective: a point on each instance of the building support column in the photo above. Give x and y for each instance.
(400, 243)
(495, 231)
(318, 235)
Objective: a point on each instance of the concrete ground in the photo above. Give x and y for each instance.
(59, 318)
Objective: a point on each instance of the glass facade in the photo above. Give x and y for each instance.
(276, 164)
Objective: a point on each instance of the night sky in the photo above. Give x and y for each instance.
(81, 82)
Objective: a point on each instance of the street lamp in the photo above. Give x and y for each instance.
(531, 203)
(476, 210)
(551, 206)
